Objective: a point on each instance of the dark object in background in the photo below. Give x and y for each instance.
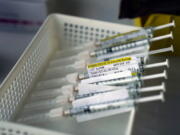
(136, 8)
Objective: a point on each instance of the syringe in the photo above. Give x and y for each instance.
(127, 80)
(113, 95)
(60, 112)
(128, 37)
(145, 54)
(86, 55)
(133, 91)
(85, 90)
(120, 38)
(74, 78)
(62, 99)
(111, 105)
(135, 67)
(59, 71)
(130, 48)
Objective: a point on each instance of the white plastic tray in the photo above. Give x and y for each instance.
(59, 32)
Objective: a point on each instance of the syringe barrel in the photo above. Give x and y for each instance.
(132, 36)
(119, 81)
(118, 48)
(126, 38)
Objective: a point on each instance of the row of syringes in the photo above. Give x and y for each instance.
(77, 88)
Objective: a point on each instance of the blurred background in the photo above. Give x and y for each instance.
(20, 20)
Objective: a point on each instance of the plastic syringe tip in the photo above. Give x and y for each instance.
(71, 99)
(76, 89)
(81, 76)
(92, 54)
(66, 113)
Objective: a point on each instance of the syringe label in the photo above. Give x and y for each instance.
(110, 67)
(90, 66)
(122, 74)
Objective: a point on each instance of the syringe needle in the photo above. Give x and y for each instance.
(41, 117)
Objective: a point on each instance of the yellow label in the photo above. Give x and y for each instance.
(109, 62)
(134, 73)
